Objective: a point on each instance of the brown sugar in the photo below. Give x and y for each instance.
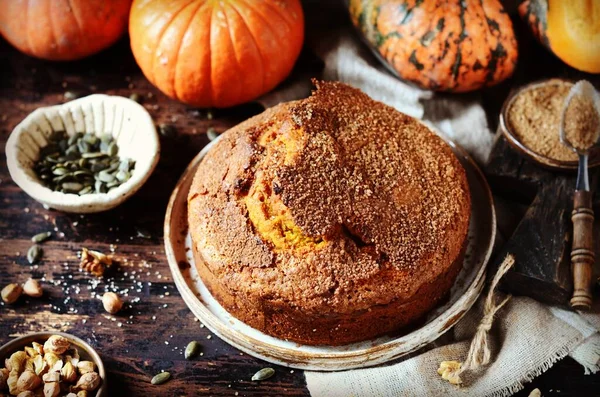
(582, 123)
(534, 118)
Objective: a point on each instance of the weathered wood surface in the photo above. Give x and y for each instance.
(541, 241)
(132, 343)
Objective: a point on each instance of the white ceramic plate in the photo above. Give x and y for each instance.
(464, 293)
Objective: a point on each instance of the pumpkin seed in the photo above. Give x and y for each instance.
(86, 190)
(105, 176)
(143, 233)
(160, 378)
(60, 171)
(70, 95)
(82, 163)
(73, 187)
(212, 134)
(263, 374)
(91, 139)
(192, 350)
(100, 187)
(83, 146)
(136, 97)
(41, 237)
(122, 176)
(112, 149)
(34, 254)
(167, 130)
(93, 155)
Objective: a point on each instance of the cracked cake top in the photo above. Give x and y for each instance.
(332, 203)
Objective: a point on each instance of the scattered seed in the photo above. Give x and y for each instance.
(70, 95)
(160, 378)
(212, 134)
(143, 233)
(263, 374)
(34, 254)
(41, 237)
(136, 97)
(192, 350)
(167, 130)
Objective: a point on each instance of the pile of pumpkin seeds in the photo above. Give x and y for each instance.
(82, 164)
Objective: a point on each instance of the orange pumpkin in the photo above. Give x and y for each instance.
(63, 30)
(210, 53)
(570, 29)
(450, 45)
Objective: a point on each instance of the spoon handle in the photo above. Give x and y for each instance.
(582, 251)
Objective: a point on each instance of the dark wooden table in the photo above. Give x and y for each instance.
(150, 333)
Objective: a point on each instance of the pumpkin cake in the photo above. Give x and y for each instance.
(329, 220)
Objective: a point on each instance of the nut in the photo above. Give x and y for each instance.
(16, 362)
(33, 288)
(26, 393)
(111, 302)
(12, 380)
(39, 365)
(449, 370)
(28, 381)
(52, 360)
(56, 344)
(31, 352)
(38, 347)
(88, 382)
(3, 378)
(11, 293)
(51, 389)
(82, 393)
(53, 376)
(86, 366)
(68, 373)
(94, 262)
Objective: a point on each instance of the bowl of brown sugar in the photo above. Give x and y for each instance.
(530, 120)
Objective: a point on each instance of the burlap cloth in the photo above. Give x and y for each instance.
(527, 337)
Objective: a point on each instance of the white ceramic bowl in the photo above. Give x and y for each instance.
(126, 120)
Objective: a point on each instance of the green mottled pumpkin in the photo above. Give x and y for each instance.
(449, 45)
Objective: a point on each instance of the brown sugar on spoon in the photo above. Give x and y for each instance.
(534, 118)
(581, 122)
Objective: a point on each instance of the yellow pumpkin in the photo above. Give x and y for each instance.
(569, 28)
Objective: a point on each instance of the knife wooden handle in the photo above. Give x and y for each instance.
(582, 250)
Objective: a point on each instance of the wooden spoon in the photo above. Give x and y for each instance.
(582, 250)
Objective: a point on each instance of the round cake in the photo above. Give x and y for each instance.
(329, 220)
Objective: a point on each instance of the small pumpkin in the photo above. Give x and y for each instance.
(453, 45)
(570, 29)
(63, 30)
(216, 53)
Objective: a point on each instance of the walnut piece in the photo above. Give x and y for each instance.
(3, 378)
(86, 366)
(88, 382)
(449, 371)
(51, 389)
(68, 373)
(56, 344)
(28, 381)
(94, 262)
